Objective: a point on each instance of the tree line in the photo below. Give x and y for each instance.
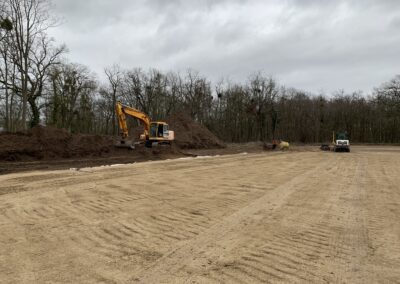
(38, 85)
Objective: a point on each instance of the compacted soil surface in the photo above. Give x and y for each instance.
(258, 217)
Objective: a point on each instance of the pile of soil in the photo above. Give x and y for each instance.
(47, 143)
(50, 143)
(188, 133)
(192, 135)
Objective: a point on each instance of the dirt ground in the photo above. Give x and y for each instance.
(280, 217)
(123, 156)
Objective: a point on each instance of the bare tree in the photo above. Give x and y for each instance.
(70, 84)
(387, 99)
(390, 92)
(5, 31)
(104, 110)
(5, 76)
(197, 96)
(114, 76)
(32, 51)
(263, 92)
(5, 23)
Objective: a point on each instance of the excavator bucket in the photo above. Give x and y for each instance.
(122, 143)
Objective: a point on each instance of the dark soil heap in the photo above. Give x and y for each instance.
(191, 135)
(48, 143)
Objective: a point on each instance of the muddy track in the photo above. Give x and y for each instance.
(295, 217)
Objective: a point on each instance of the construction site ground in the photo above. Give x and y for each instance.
(126, 156)
(301, 216)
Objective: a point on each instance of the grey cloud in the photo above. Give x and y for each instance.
(314, 45)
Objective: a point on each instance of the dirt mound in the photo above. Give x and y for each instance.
(191, 135)
(48, 142)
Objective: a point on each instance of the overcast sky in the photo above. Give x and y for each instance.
(311, 45)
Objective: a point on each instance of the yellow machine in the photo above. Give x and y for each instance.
(155, 132)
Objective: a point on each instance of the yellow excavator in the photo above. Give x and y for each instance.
(155, 132)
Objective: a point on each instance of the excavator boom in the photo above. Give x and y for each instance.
(123, 110)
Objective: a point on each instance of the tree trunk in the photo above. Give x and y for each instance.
(11, 121)
(113, 113)
(35, 111)
(7, 122)
(24, 81)
(23, 97)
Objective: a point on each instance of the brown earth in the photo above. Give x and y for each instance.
(48, 144)
(302, 216)
(191, 135)
(188, 133)
(51, 143)
(122, 156)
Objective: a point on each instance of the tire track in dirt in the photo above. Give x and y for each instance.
(295, 217)
(173, 261)
(83, 210)
(291, 254)
(382, 208)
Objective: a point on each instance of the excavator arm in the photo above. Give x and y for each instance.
(123, 111)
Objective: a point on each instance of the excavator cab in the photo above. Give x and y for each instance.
(158, 130)
(160, 133)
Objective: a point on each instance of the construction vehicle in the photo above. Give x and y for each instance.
(340, 142)
(283, 145)
(275, 144)
(155, 132)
